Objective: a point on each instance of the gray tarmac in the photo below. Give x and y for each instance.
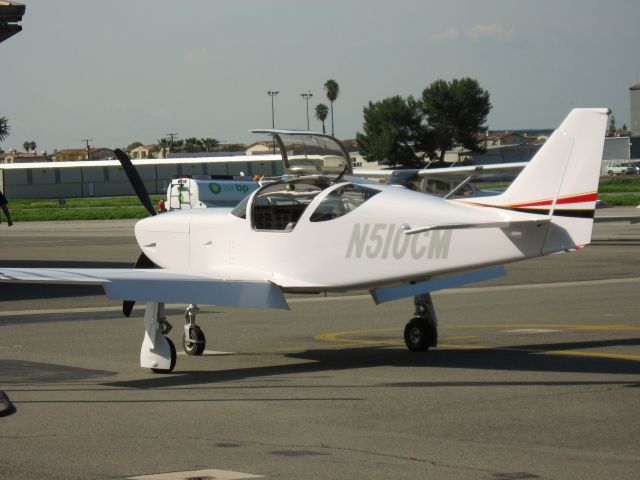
(537, 376)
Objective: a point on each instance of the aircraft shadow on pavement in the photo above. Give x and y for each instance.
(522, 358)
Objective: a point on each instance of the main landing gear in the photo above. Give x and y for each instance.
(158, 352)
(421, 332)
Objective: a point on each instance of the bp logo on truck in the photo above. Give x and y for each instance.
(215, 188)
(228, 187)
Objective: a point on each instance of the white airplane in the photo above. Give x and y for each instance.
(313, 232)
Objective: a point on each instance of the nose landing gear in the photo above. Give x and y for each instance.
(193, 339)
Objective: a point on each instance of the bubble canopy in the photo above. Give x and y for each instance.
(307, 153)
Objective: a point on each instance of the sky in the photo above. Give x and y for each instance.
(120, 71)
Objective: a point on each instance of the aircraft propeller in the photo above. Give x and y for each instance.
(136, 181)
(141, 191)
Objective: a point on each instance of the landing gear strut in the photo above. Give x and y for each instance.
(421, 332)
(193, 339)
(157, 352)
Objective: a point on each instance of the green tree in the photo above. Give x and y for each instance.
(26, 146)
(29, 146)
(209, 143)
(133, 145)
(192, 144)
(321, 114)
(455, 113)
(391, 129)
(333, 90)
(176, 145)
(4, 128)
(165, 146)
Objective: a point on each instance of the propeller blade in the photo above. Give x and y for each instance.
(135, 180)
(142, 262)
(5, 209)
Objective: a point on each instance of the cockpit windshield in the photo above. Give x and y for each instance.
(341, 201)
(278, 206)
(313, 154)
(307, 153)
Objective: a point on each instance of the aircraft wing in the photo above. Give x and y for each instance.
(247, 289)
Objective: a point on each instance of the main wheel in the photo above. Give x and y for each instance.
(194, 345)
(174, 356)
(420, 334)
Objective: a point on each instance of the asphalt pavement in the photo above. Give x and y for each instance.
(537, 376)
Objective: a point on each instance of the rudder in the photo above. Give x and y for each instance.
(561, 181)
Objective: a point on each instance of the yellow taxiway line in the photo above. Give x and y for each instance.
(338, 339)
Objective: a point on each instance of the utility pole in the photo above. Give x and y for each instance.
(273, 93)
(307, 96)
(87, 140)
(171, 136)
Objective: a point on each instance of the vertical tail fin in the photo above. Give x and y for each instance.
(561, 180)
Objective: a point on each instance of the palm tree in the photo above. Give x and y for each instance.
(192, 144)
(333, 90)
(321, 114)
(27, 146)
(164, 145)
(4, 128)
(32, 146)
(209, 143)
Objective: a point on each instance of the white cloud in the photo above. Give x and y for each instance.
(477, 32)
(449, 34)
(494, 31)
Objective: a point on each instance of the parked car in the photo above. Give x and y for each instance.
(621, 169)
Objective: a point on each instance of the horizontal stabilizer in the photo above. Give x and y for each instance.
(159, 285)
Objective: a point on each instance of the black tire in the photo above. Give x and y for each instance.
(174, 357)
(196, 347)
(420, 334)
(610, 173)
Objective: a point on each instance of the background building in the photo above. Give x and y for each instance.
(106, 178)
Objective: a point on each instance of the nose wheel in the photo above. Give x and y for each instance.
(421, 332)
(193, 339)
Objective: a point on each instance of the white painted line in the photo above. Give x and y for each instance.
(211, 474)
(531, 330)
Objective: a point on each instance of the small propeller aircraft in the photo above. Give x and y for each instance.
(317, 229)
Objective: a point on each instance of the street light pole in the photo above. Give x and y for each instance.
(307, 96)
(273, 93)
